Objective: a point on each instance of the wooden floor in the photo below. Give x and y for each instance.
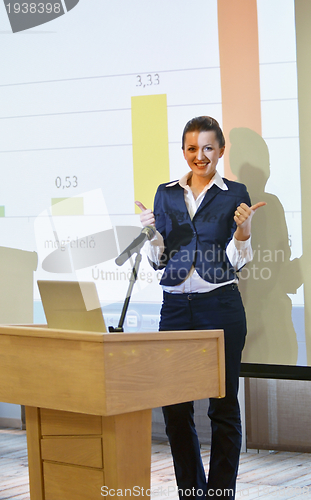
(265, 475)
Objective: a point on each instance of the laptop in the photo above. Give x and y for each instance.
(72, 305)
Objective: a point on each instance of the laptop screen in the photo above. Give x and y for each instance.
(72, 305)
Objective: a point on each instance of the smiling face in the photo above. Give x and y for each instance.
(202, 152)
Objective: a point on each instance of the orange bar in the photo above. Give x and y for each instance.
(239, 67)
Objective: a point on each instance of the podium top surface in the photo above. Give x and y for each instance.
(42, 331)
(108, 373)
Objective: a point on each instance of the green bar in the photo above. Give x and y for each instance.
(303, 43)
(2, 211)
(67, 206)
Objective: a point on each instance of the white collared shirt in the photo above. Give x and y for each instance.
(238, 252)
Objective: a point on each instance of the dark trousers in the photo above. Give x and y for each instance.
(219, 309)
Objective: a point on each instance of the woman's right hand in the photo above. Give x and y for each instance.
(146, 216)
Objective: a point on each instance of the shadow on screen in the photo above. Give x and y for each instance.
(266, 281)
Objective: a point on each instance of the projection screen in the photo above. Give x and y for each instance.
(94, 98)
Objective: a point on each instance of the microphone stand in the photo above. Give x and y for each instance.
(133, 279)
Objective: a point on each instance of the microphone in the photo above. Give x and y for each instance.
(147, 233)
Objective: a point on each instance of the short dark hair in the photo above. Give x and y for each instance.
(204, 124)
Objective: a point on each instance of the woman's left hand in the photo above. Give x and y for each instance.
(243, 217)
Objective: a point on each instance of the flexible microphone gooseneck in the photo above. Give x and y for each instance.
(147, 233)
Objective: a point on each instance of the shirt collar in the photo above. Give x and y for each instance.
(217, 179)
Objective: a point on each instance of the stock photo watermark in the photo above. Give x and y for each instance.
(212, 264)
(170, 491)
(24, 15)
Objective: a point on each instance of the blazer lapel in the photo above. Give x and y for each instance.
(209, 196)
(177, 199)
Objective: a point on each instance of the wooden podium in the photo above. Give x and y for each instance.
(88, 399)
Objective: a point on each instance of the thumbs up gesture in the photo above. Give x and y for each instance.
(243, 217)
(146, 216)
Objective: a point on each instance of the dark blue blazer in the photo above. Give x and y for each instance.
(202, 241)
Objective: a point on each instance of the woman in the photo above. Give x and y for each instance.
(203, 227)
